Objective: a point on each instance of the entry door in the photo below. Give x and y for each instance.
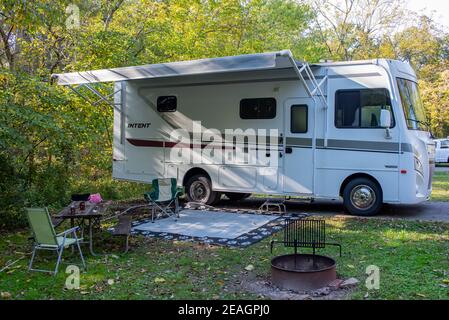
(298, 152)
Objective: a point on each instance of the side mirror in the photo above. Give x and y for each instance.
(385, 118)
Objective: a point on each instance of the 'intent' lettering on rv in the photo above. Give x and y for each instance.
(139, 125)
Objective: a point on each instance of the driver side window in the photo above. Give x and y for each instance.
(361, 108)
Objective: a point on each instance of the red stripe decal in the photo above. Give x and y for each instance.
(168, 144)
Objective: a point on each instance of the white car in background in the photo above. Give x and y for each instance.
(442, 150)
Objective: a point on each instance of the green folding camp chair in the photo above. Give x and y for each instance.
(45, 237)
(164, 194)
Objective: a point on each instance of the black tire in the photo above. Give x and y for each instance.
(236, 196)
(364, 192)
(203, 182)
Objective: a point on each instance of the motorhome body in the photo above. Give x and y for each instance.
(353, 130)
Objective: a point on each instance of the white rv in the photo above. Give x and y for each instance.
(352, 130)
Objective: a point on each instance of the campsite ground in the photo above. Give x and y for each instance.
(440, 185)
(412, 257)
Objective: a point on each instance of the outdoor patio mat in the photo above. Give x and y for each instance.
(212, 227)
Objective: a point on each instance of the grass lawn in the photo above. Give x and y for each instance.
(413, 258)
(440, 186)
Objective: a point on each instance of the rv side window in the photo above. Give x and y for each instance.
(166, 104)
(259, 108)
(361, 108)
(298, 118)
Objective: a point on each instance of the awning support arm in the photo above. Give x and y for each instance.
(102, 98)
(316, 91)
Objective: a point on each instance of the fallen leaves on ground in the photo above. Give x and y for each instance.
(159, 280)
(249, 267)
(5, 295)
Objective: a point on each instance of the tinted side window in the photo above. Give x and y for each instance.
(259, 108)
(298, 118)
(361, 108)
(166, 103)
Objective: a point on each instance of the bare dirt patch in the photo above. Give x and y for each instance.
(263, 288)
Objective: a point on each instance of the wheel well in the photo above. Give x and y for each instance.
(358, 175)
(192, 172)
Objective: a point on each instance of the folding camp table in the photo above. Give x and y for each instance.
(92, 214)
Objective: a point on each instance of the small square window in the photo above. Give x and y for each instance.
(298, 118)
(166, 103)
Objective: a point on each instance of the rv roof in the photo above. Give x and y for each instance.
(249, 62)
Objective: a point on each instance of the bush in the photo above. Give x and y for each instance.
(12, 200)
(109, 188)
(49, 188)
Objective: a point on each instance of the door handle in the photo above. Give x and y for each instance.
(288, 150)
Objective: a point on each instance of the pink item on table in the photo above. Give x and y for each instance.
(95, 198)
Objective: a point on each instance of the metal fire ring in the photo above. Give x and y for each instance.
(311, 272)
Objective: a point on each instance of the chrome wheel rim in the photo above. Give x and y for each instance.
(199, 191)
(363, 197)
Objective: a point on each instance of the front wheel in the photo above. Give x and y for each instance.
(199, 189)
(362, 197)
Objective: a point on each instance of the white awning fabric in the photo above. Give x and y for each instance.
(249, 62)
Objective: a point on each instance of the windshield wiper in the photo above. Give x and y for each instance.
(418, 121)
(427, 124)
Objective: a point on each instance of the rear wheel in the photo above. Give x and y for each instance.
(236, 196)
(362, 197)
(199, 189)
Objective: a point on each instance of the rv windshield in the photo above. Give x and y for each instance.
(415, 116)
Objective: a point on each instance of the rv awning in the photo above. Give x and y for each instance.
(249, 62)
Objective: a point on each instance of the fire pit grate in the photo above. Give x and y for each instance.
(303, 272)
(305, 233)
